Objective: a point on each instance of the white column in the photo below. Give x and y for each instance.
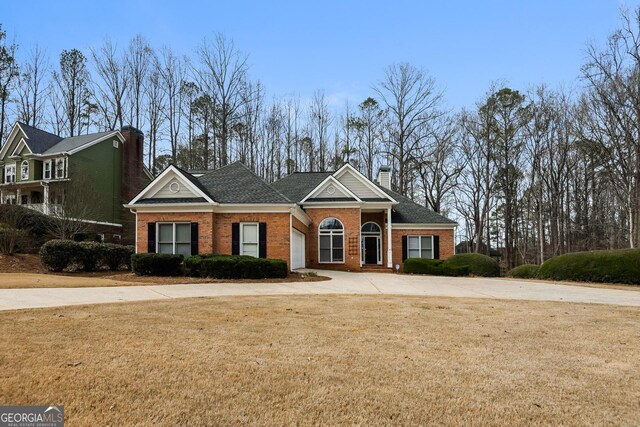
(1, 196)
(389, 251)
(46, 199)
(18, 198)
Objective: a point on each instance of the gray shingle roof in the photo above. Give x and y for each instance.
(159, 201)
(297, 185)
(236, 183)
(38, 140)
(68, 144)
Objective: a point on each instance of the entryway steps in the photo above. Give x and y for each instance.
(376, 269)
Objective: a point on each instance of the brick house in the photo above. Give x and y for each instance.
(333, 220)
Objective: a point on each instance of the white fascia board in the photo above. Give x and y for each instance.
(19, 146)
(301, 215)
(335, 182)
(171, 207)
(159, 181)
(408, 226)
(96, 141)
(248, 208)
(9, 138)
(362, 179)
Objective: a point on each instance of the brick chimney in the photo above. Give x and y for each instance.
(132, 162)
(384, 177)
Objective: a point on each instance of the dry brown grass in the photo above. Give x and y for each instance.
(109, 279)
(368, 360)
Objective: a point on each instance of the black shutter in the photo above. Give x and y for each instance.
(235, 238)
(436, 247)
(404, 248)
(151, 237)
(262, 240)
(194, 238)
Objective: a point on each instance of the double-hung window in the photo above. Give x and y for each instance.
(60, 168)
(10, 173)
(46, 169)
(249, 239)
(174, 238)
(331, 241)
(420, 246)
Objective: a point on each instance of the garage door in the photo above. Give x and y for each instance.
(298, 250)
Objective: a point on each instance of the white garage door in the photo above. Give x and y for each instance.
(298, 250)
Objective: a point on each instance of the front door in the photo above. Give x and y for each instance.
(370, 249)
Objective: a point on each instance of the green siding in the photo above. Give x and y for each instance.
(98, 169)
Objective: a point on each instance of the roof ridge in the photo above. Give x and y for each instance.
(263, 180)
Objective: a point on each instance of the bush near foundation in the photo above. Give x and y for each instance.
(157, 264)
(457, 265)
(235, 267)
(610, 266)
(56, 255)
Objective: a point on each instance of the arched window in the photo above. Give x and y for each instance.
(371, 227)
(24, 171)
(331, 241)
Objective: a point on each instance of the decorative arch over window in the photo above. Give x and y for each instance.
(370, 227)
(24, 170)
(331, 241)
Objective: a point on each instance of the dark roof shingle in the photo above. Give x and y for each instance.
(236, 183)
(297, 185)
(38, 140)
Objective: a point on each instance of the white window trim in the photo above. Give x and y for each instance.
(6, 172)
(44, 169)
(173, 237)
(64, 167)
(242, 243)
(377, 235)
(420, 236)
(331, 233)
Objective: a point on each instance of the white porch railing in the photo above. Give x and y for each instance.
(50, 209)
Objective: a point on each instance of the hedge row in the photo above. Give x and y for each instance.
(457, 265)
(235, 267)
(524, 271)
(613, 266)
(56, 255)
(157, 264)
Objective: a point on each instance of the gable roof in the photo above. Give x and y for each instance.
(297, 185)
(74, 142)
(237, 184)
(409, 212)
(38, 140)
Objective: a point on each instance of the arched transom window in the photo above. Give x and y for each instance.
(24, 171)
(331, 240)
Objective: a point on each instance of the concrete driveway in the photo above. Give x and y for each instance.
(341, 283)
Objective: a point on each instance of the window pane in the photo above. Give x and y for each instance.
(183, 233)
(165, 233)
(165, 248)
(426, 253)
(370, 228)
(337, 241)
(337, 255)
(413, 253)
(250, 249)
(250, 233)
(413, 242)
(325, 249)
(183, 249)
(426, 242)
(331, 224)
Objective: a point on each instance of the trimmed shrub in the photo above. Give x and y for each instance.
(612, 266)
(116, 256)
(235, 267)
(89, 255)
(434, 267)
(423, 266)
(56, 255)
(478, 264)
(157, 264)
(524, 271)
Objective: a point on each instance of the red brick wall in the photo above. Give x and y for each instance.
(350, 218)
(446, 242)
(205, 222)
(277, 232)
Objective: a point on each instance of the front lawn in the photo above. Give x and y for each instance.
(330, 360)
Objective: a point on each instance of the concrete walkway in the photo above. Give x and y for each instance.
(341, 283)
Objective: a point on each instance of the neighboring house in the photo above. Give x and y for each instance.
(335, 220)
(38, 168)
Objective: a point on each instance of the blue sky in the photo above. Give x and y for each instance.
(343, 47)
